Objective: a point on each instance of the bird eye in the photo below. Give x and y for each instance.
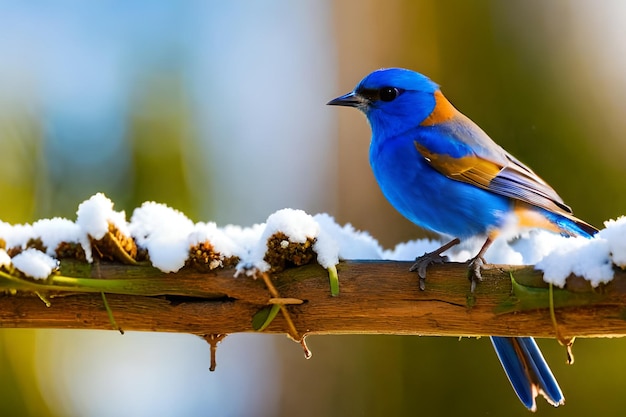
(388, 93)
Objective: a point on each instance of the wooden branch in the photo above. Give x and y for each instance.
(375, 298)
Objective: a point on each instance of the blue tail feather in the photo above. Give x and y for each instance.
(520, 357)
(570, 226)
(527, 370)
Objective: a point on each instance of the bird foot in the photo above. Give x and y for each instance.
(423, 262)
(476, 266)
(429, 258)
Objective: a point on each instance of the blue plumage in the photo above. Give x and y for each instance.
(527, 371)
(418, 192)
(444, 173)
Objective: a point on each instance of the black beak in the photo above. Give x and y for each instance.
(351, 100)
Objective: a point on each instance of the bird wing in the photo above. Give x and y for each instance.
(460, 150)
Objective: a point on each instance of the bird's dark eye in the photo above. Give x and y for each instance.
(388, 93)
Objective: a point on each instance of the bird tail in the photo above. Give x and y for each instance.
(570, 225)
(527, 371)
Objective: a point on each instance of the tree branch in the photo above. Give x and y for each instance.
(375, 298)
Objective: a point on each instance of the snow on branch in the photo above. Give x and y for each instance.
(296, 274)
(379, 297)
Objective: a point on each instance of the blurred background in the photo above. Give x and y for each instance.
(218, 109)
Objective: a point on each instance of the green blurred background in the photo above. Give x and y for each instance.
(217, 109)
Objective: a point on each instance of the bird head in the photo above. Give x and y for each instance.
(393, 99)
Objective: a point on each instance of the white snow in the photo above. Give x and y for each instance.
(557, 256)
(218, 237)
(93, 217)
(615, 234)
(297, 225)
(408, 251)
(221, 242)
(534, 245)
(245, 240)
(168, 234)
(327, 249)
(16, 235)
(34, 263)
(588, 258)
(348, 242)
(592, 258)
(54, 231)
(5, 259)
(164, 232)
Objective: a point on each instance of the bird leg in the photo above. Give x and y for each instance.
(423, 262)
(477, 263)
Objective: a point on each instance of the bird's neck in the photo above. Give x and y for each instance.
(442, 111)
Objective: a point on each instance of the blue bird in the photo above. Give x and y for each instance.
(445, 174)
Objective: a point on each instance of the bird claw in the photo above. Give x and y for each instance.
(423, 262)
(428, 258)
(476, 265)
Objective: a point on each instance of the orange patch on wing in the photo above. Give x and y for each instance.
(470, 169)
(443, 111)
(527, 217)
